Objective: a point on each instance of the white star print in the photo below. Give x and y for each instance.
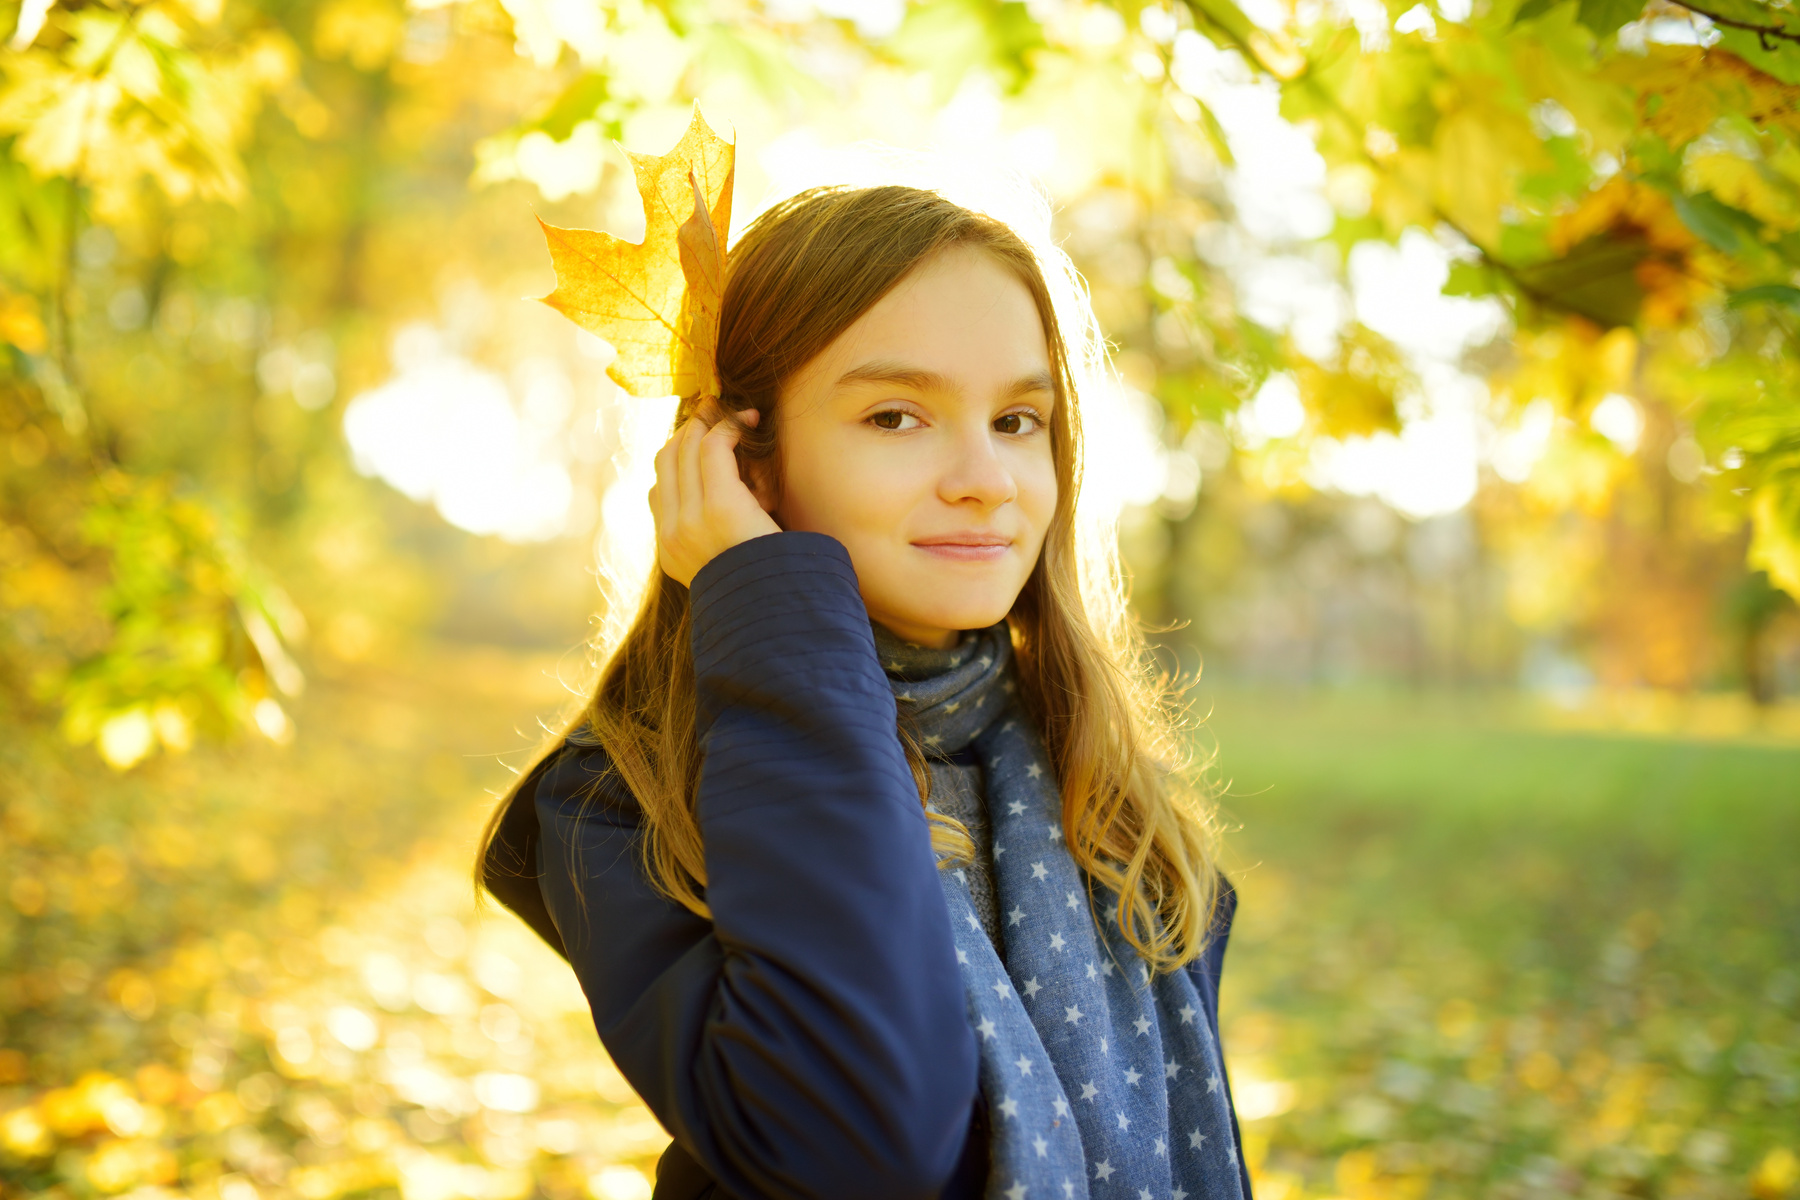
(1143, 1194)
(973, 923)
(952, 707)
(1016, 1192)
(1061, 1107)
(1103, 1045)
(1053, 832)
(1180, 1193)
(1068, 1190)
(1171, 1068)
(1091, 972)
(1015, 808)
(1034, 770)
(986, 1029)
(1009, 725)
(1001, 988)
(1196, 1140)
(1112, 913)
(1032, 988)
(1009, 1107)
(1103, 1169)
(1162, 1147)
(933, 740)
(1187, 1014)
(1231, 1153)
(1124, 1122)
(986, 660)
(962, 875)
(962, 956)
(1212, 1084)
(998, 851)
(1015, 916)
(1039, 871)
(1073, 902)
(1041, 1146)
(1089, 1091)
(1056, 941)
(1106, 968)
(1143, 973)
(1142, 1025)
(906, 696)
(1024, 1064)
(1132, 1076)
(1073, 1014)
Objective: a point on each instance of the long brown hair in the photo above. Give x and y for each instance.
(1135, 815)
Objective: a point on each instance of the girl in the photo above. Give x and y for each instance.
(867, 850)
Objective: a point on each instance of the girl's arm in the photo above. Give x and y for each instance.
(812, 1039)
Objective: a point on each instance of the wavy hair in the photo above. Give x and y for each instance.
(1136, 813)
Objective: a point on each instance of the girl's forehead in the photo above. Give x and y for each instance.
(945, 327)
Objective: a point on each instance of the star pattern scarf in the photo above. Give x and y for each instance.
(1101, 1079)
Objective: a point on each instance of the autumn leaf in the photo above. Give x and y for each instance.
(657, 301)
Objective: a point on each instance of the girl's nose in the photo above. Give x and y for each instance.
(977, 471)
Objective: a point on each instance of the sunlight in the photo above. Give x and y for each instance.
(447, 431)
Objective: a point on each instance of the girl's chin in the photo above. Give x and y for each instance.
(940, 624)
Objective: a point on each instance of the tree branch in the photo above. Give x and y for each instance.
(1763, 32)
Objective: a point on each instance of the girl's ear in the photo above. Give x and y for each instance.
(757, 477)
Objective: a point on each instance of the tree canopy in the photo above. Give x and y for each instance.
(215, 213)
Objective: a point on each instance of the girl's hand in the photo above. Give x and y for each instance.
(699, 502)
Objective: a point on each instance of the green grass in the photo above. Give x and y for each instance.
(1483, 956)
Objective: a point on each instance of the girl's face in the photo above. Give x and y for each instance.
(920, 439)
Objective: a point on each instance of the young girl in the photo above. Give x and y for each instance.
(867, 850)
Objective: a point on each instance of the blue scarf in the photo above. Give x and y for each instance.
(1100, 1079)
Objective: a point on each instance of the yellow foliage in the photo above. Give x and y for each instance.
(1683, 90)
(1356, 397)
(365, 32)
(20, 323)
(657, 302)
(1775, 1175)
(1618, 205)
(1480, 149)
(1775, 535)
(1745, 184)
(1403, 190)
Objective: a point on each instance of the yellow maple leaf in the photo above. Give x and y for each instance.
(657, 301)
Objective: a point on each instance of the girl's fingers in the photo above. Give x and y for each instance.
(687, 473)
(665, 495)
(718, 465)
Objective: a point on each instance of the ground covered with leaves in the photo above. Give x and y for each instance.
(1486, 950)
(1483, 951)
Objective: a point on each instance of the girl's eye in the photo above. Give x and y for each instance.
(1037, 422)
(882, 421)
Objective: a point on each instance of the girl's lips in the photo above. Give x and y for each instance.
(965, 551)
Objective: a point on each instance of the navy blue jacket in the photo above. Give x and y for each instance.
(812, 1039)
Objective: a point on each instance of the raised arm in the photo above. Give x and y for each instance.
(812, 1040)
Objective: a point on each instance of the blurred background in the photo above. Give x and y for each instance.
(1456, 442)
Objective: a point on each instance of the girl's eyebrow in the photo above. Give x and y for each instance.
(886, 371)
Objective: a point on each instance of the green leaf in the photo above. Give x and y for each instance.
(1720, 225)
(1604, 17)
(578, 102)
(1471, 279)
(1532, 9)
(950, 37)
(1779, 294)
(1597, 279)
